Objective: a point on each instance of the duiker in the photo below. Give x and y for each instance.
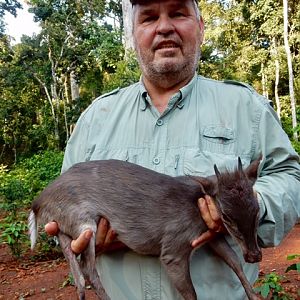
(152, 213)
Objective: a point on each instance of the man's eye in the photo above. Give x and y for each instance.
(149, 19)
(178, 14)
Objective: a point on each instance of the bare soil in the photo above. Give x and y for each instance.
(43, 279)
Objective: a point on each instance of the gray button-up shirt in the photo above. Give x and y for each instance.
(207, 122)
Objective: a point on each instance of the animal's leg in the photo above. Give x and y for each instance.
(89, 269)
(65, 244)
(223, 250)
(178, 269)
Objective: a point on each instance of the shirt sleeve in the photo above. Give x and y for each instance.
(278, 185)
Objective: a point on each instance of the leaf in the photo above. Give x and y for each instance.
(293, 267)
(293, 256)
(272, 285)
(10, 240)
(265, 289)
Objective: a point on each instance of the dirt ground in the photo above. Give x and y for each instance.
(44, 279)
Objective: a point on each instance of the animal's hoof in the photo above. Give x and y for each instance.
(82, 296)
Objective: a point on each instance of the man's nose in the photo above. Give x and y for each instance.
(165, 25)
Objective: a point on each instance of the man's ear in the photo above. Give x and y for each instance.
(252, 170)
(201, 25)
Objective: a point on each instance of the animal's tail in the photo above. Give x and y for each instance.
(32, 225)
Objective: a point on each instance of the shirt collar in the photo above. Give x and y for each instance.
(144, 94)
(180, 96)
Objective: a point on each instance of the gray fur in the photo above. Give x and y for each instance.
(152, 213)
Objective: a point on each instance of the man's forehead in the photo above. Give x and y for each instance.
(147, 1)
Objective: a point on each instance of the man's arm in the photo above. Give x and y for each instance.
(278, 185)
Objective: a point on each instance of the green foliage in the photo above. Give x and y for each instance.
(21, 184)
(68, 281)
(271, 287)
(127, 72)
(47, 244)
(13, 233)
(36, 105)
(296, 145)
(294, 266)
(18, 187)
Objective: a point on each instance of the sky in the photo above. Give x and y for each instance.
(22, 24)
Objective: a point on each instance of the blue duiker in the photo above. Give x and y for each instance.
(152, 214)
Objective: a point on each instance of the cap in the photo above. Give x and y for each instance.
(133, 2)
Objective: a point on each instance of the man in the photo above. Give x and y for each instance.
(176, 122)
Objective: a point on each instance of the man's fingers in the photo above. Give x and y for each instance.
(51, 228)
(102, 230)
(210, 214)
(203, 238)
(110, 237)
(81, 242)
(212, 209)
(206, 215)
(108, 243)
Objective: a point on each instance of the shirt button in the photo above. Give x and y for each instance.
(156, 160)
(159, 122)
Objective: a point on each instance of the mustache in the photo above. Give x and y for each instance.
(166, 42)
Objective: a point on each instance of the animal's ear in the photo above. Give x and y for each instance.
(252, 170)
(240, 165)
(217, 172)
(209, 186)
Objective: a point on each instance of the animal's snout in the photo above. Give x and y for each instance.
(253, 256)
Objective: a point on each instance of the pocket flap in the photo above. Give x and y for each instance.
(218, 132)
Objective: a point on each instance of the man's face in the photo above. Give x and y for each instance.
(167, 36)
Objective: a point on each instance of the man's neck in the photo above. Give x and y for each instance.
(161, 92)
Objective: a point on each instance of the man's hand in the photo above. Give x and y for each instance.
(105, 237)
(212, 219)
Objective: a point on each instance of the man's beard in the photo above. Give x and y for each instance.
(169, 73)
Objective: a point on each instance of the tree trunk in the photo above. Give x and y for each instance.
(74, 86)
(264, 80)
(66, 122)
(290, 68)
(54, 96)
(50, 100)
(66, 89)
(127, 19)
(277, 73)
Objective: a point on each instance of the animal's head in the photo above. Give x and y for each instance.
(238, 206)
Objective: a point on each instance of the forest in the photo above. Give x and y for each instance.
(48, 79)
(84, 50)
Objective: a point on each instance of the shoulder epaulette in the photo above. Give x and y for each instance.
(115, 91)
(249, 87)
(234, 82)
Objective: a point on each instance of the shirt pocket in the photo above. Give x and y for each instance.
(218, 139)
(201, 163)
(101, 154)
(132, 155)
